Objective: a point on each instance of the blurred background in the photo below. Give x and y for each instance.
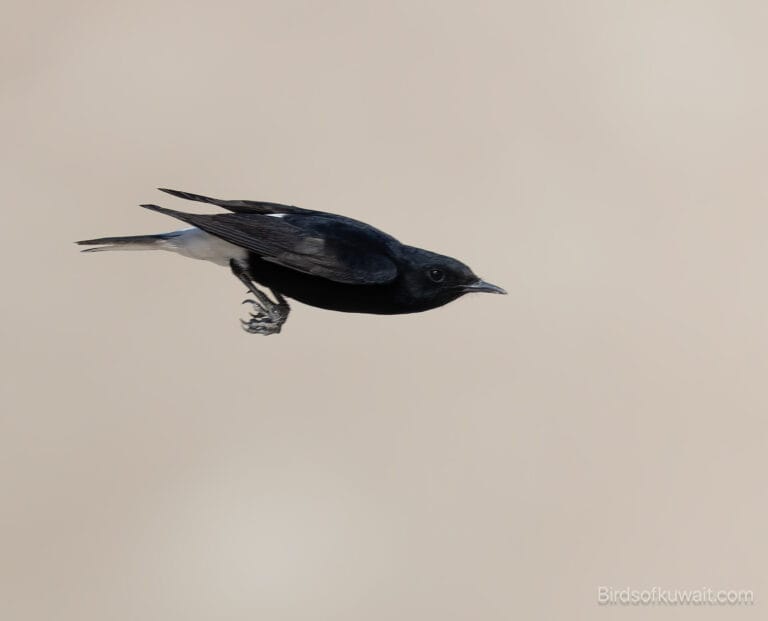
(495, 459)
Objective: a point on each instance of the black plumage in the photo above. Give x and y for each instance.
(318, 258)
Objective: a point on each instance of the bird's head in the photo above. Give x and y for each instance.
(432, 279)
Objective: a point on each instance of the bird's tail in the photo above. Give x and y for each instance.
(131, 242)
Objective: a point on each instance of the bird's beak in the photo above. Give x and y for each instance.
(481, 285)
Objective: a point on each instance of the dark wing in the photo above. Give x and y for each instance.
(332, 247)
(238, 206)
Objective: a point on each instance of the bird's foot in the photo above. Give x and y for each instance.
(265, 319)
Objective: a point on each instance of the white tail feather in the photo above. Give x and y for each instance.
(191, 242)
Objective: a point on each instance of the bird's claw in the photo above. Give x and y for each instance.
(265, 320)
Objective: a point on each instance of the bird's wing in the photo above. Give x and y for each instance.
(238, 206)
(338, 249)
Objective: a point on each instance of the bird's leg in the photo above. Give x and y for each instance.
(267, 316)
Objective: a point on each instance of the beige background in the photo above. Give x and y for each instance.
(500, 458)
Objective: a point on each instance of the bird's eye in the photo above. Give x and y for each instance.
(436, 275)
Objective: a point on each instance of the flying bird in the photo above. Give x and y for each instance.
(317, 258)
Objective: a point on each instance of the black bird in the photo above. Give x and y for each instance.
(317, 258)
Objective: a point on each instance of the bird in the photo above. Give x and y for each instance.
(317, 258)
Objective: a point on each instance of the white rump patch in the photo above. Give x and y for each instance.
(197, 244)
